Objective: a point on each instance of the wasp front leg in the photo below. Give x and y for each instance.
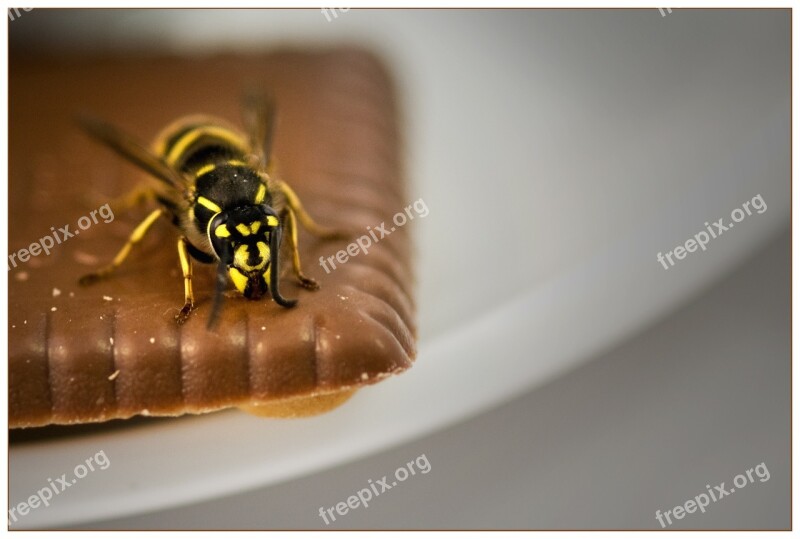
(135, 237)
(186, 268)
(291, 224)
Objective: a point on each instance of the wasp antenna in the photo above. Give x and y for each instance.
(274, 274)
(216, 305)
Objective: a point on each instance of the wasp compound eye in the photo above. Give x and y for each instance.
(219, 235)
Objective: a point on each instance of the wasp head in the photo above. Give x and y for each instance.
(247, 241)
(242, 239)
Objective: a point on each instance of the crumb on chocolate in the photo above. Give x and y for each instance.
(85, 258)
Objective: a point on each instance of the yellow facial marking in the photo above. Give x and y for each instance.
(272, 221)
(240, 257)
(239, 280)
(254, 226)
(236, 163)
(243, 229)
(261, 193)
(204, 170)
(242, 254)
(263, 252)
(203, 201)
(222, 231)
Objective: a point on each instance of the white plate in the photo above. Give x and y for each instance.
(558, 153)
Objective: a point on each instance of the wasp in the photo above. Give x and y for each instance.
(218, 187)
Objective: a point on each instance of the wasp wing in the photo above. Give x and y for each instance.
(259, 120)
(134, 151)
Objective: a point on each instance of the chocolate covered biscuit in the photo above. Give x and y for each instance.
(113, 350)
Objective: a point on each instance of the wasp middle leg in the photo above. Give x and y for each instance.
(186, 268)
(135, 237)
(291, 224)
(293, 201)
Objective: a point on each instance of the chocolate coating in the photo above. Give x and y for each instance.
(113, 350)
